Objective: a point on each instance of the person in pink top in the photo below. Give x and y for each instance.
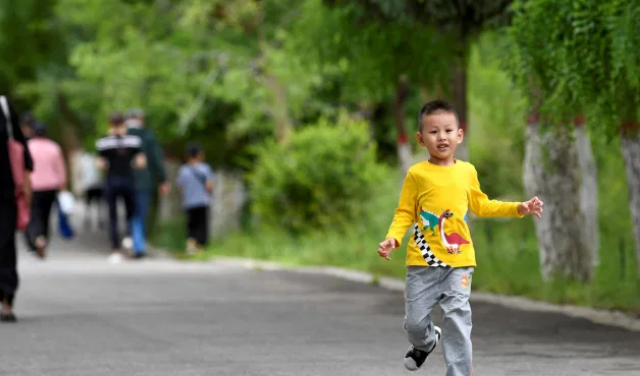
(48, 177)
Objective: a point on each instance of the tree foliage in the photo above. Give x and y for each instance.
(580, 56)
(368, 57)
(31, 42)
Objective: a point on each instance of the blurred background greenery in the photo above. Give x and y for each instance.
(311, 101)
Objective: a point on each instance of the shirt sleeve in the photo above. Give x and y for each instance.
(137, 149)
(406, 210)
(102, 152)
(483, 207)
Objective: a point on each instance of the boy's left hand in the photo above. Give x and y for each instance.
(531, 207)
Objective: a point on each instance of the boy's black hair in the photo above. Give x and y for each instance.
(116, 119)
(193, 149)
(434, 107)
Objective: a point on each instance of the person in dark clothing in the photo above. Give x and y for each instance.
(147, 180)
(119, 154)
(8, 255)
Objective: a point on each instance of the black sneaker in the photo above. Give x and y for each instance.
(8, 317)
(415, 358)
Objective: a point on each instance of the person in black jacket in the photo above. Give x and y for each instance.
(8, 254)
(120, 154)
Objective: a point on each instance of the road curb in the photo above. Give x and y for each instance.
(599, 316)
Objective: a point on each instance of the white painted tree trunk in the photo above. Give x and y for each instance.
(404, 147)
(631, 153)
(588, 190)
(405, 156)
(551, 172)
(227, 201)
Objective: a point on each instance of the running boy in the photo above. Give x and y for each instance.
(195, 179)
(435, 199)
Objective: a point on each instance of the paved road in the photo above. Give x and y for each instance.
(80, 316)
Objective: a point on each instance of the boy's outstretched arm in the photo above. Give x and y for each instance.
(403, 218)
(483, 207)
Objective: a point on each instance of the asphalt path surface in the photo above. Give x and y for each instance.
(81, 316)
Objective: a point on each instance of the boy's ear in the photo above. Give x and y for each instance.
(420, 139)
(460, 136)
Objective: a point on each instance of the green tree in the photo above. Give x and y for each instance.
(35, 46)
(595, 61)
(556, 166)
(617, 46)
(29, 40)
(463, 21)
(375, 62)
(173, 58)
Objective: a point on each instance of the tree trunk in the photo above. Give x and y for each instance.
(459, 92)
(404, 147)
(279, 109)
(69, 140)
(551, 172)
(427, 94)
(631, 152)
(68, 137)
(589, 188)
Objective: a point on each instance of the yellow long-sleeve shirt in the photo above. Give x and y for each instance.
(435, 199)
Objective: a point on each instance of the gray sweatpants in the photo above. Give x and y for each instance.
(451, 288)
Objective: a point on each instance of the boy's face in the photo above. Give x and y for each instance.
(441, 135)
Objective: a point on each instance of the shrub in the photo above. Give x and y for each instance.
(318, 179)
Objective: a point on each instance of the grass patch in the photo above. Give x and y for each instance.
(171, 236)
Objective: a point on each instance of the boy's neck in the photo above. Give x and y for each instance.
(442, 162)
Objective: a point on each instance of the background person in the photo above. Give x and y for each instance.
(195, 178)
(49, 176)
(148, 180)
(120, 154)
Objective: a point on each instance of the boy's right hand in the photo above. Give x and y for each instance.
(385, 248)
